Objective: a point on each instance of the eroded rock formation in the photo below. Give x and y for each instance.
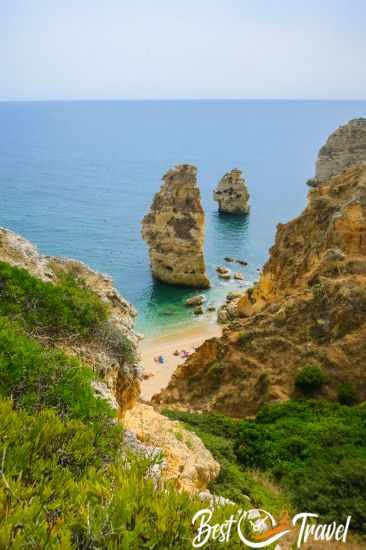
(186, 459)
(308, 308)
(345, 147)
(174, 230)
(232, 194)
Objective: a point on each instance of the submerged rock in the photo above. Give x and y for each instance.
(198, 310)
(196, 300)
(174, 230)
(223, 272)
(222, 269)
(232, 194)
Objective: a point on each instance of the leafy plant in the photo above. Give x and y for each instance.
(67, 308)
(58, 490)
(347, 394)
(306, 454)
(310, 379)
(36, 377)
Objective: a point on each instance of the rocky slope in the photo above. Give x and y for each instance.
(232, 194)
(186, 460)
(308, 308)
(174, 230)
(345, 147)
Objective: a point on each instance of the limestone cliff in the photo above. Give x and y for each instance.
(345, 147)
(232, 194)
(174, 230)
(186, 460)
(308, 308)
(121, 380)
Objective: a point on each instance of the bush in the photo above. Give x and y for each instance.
(58, 492)
(55, 310)
(347, 395)
(310, 379)
(117, 343)
(315, 450)
(35, 377)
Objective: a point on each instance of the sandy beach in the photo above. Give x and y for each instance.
(187, 338)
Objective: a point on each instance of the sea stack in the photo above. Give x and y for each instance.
(174, 230)
(345, 147)
(307, 308)
(232, 194)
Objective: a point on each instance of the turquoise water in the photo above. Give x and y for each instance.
(77, 177)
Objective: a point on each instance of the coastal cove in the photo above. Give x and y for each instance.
(78, 177)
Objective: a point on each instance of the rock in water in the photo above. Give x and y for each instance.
(174, 229)
(345, 147)
(308, 307)
(197, 300)
(232, 194)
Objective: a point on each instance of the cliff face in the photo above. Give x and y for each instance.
(308, 308)
(186, 460)
(174, 230)
(232, 194)
(345, 147)
(121, 384)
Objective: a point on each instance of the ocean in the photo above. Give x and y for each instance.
(77, 178)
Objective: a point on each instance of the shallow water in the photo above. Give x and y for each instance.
(77, 178)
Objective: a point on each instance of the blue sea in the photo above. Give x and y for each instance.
(77, 178)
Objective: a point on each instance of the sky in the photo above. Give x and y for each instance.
(182, 49)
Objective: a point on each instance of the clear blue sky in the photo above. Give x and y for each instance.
(74, 49)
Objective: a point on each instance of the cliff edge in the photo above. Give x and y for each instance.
(307, 310)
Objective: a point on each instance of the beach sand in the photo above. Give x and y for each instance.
(187, 338)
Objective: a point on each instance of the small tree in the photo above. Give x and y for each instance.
(347, 395)
(310, 379)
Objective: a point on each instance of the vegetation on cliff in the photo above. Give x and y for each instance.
(313, 450)
(68, 308)
(308, 309)
(65, 479)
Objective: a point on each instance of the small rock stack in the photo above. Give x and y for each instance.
(232, 194)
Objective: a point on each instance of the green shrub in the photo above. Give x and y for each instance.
(55, 310)
(310, 379)
(315, 450)
(56, 491)
(347, 394)
(36, 377)
(117, 343)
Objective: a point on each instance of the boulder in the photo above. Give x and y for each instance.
(196, 300)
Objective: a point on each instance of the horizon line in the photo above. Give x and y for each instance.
(147, 99)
